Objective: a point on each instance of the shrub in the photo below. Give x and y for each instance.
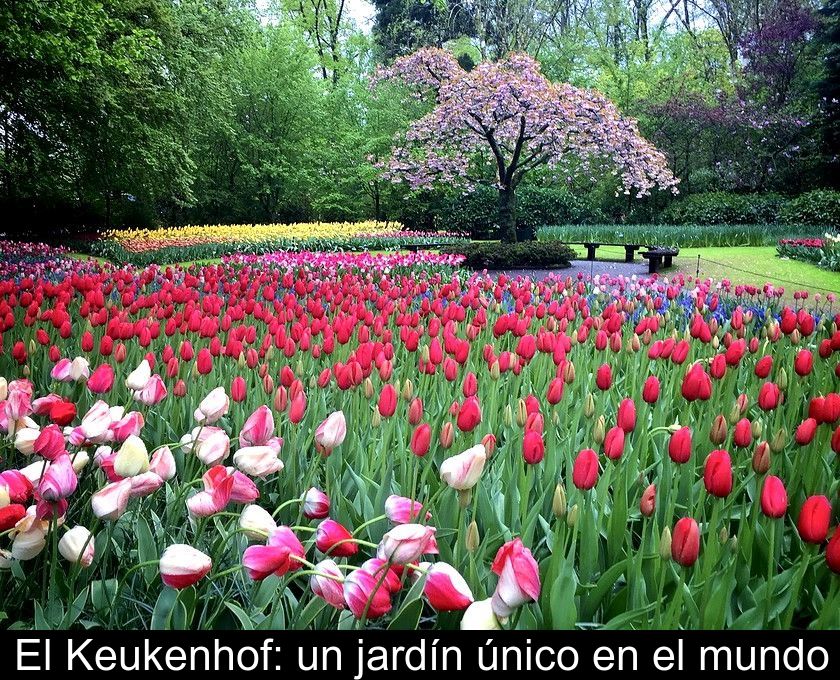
(721, 207)
(522, 255)
(818, 207)
(476, 213)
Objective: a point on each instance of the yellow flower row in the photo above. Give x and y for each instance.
(221, 233)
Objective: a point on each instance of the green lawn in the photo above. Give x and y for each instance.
(754, 265)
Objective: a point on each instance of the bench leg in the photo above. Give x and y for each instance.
(668, 260)
(629, 252)
(653, 265)
(590, 253)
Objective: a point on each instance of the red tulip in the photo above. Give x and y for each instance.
(650, 392)
(614, 443)
(774, 498)
(469, 415)
(743, 433)
(832, 552)
(717, 473)
(278, 556)
(603, 377)
(387, 401)
(679, 445)
(421, 439)
(696, 384)
(804, 362)
(11, 515)
(555, 391)
(533, 447)
(204, 362)
(763, 367)
(585, 472)
(806, 431)
(237, 389)
(627, 415)
(415, 411)
(445, 588)
(814, 518)
(768, 396)
(685, 542)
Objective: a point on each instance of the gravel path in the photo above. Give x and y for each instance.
(583, 266)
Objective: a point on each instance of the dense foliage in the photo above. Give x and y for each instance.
(134, 112)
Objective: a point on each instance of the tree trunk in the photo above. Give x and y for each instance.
(507, 214)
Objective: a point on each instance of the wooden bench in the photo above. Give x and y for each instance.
(414, 247)
(629, 249)
(658, 257)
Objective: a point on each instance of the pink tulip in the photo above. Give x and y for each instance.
(405, 543)
(61, 371)
(163, 463)
(258, 430)
(328, 583)
(129, 425)
(519, 578)
(218, 484)
(278, 556)
(110, 502)
(101, 380)
(364, 597)
(463, 471)
(401, 510)
(59, 481)
(153, 393)
(212, 407)
(145, 484)
(445, 588)
(182, 566)
(316, 504)
(334, 539)
(331, 432)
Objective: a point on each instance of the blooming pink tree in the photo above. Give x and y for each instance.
(500, 120)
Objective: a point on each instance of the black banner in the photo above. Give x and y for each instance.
(372, 654)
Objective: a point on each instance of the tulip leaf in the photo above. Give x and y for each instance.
(102, 594)
(562, 598)
(147, 550)
(408, 618)
(162, 612)
(309, 613)
(245, 621)
(75, 610)
(41, 622)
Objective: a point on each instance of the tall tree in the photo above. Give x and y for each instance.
(501, 120)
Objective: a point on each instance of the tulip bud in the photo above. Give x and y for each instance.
(495, 371)
(368, 387)
(779, 440)
(782, 380)
(447, 435)
(599, 432)
(572, 517)
(473, 539)
(723, 535)
(521, 413)
(508, 416)
(761, 458)
(718, 432)
(375, 420)
(407, 390)
(647, 505)
(665, 544)
(558, 502)
(589, 406)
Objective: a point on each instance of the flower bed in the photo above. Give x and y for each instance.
(180, 244)
(824, 252)
(322, 443)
